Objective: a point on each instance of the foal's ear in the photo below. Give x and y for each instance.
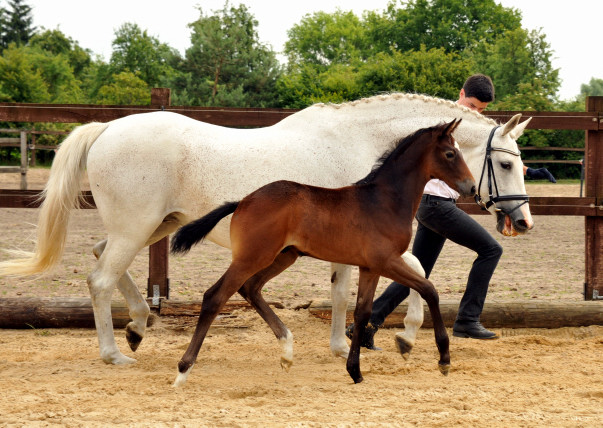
(450, 127)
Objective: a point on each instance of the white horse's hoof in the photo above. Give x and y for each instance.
(118, 359)
(181, 378)
(403, 345)
(340, 350)
(341, 354)
(133, 336)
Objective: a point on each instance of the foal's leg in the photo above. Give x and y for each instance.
(251, 291)
(400, 272)
(138, 309)
(414, 316)
(340, 290)
(366, 291)
(214, 300)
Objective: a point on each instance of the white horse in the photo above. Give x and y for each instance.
(151, 173)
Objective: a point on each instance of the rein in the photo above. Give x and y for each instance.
(492, 200)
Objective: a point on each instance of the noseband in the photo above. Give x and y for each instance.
(492, 200)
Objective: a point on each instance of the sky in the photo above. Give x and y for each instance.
(573, 33)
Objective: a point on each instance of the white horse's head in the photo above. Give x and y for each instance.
(501, 183)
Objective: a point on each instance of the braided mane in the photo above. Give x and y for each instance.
(405, 96)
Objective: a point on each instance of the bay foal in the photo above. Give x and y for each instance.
(368, 225)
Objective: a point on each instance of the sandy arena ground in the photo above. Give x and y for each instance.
(527, 378)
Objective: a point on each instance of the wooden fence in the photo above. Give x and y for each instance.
(20, 142)
(590, 206)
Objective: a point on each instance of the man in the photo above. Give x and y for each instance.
(440, 219)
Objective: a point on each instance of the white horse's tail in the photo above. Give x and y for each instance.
(61, 195)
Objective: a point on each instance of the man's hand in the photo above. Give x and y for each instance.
(540, 174)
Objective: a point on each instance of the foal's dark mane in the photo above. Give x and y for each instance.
(398, 148)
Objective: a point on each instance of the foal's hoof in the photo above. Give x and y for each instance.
(403, 345)
(444, 369)
(133, 338)
(181, 378)
(355, 374)
(358, 379)
(286, 364)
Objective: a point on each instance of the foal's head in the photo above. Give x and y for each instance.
(445, 160)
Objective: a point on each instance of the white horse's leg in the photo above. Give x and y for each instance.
(340, 288)
(414, 316)
(116, 256)
(138, 308)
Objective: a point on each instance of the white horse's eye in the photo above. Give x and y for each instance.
(505, 165)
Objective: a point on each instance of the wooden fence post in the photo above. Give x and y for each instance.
(158, 283)
(593, 160)
(24, 160)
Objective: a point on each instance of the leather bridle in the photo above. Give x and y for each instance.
(492, 200)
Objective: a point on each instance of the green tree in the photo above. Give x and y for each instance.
(454, 25)
(309, 85)
(593, 88)
(20, 80)
(515, 58)
(31, 74)
(56, 42)
(324, 38)
(226, 63)
(403, 47)
(125, 88)
(137, 52)
(2, 26)
(432, 72)
(16, 24)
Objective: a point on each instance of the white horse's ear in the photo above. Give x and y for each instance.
(514, 128)
(516, 133)
(512, 123)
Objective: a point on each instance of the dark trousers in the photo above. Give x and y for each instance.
(440, 219)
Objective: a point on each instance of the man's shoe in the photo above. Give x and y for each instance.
(367, 341)
(474, 330)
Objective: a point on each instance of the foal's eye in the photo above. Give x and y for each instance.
(505, 165)
(450, 154)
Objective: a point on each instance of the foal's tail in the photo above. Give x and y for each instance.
(60, 197)
(194, 232)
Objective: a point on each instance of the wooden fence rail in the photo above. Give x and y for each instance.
(590, 206)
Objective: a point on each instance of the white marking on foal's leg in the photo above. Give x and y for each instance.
(287, 355)
(181, 378)
(340, 290)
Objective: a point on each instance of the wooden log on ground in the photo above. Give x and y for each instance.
(57, 312)
(192, 308)
(504, 314)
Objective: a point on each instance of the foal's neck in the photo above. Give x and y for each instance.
(402, 185)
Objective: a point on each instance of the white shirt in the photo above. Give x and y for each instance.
(438, 187)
